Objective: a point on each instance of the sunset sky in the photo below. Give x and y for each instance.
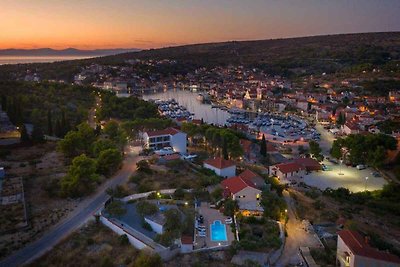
(89, 24)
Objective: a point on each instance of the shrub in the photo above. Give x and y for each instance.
(179, 193)
(123, 240)
(136, 178)
(146, 208)
(146, 225)
(312, 194)
(116, 208)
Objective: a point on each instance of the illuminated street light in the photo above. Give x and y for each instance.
(340, 167)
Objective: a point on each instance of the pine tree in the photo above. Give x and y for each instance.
(10, 109)
(64, 124)
(18, 111)
(49, 123)
(263, 146)
(24, 134)
(58, 129)
(37, 135)
(225, 149)
(3, 102)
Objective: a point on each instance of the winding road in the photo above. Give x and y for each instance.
(297, 237)
(76, 219)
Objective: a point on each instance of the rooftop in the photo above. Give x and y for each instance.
(289, 167)
(358, 246)
(236, 184)
(220, 163)
(168, 131)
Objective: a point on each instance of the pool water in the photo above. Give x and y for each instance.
(218, 231)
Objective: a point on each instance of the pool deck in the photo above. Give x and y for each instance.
(211, 215)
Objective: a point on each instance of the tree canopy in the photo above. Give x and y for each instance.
(364, 149)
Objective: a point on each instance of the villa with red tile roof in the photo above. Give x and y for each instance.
(353, 250)
(170, 137)
(244, 192)
(296, 167)
(287, 170)
(222, 167)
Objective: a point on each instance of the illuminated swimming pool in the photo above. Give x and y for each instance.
(218, 231)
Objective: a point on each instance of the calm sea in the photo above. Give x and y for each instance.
(34, 59)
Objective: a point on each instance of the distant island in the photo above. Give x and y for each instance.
(44, 52)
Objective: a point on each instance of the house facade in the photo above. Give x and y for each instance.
(353, 250)
(169, 137)
(287, 170)
(221, 167)
(245, 193)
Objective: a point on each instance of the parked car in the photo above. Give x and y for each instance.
(165, 151)
(228, 220)
(325, 168)
(376, 174)
(189, 156)
(202, 234)
(361, 167)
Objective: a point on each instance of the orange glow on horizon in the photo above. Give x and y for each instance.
(92, 24)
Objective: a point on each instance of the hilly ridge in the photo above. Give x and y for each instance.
(292, 57)
(63, 52)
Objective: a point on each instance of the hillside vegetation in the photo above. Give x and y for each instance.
(290, 57)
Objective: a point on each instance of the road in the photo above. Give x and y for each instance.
(297, 237)
(76, 219)
(326, 141)
(92, 113)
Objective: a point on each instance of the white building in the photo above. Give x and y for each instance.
(353, 250)
(287, 170)
(222, 167)
(350, 128)
(156, 222)
(245, 192)
(186, 244)
(169, 137)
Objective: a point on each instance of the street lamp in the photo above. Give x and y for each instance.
(340, 167)
(366, 180)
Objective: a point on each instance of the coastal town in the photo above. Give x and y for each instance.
(247, 166)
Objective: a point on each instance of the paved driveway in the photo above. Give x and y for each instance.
(297, 237)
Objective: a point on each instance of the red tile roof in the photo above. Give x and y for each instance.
(236, 184)
(188, 240)
(308, 163)
(220, 163)
(271, 147)
(168, 131)
(248, 175)
(289, 167)
(246, 145)
(358, 246)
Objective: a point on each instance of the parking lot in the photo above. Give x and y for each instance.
(344, 176)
